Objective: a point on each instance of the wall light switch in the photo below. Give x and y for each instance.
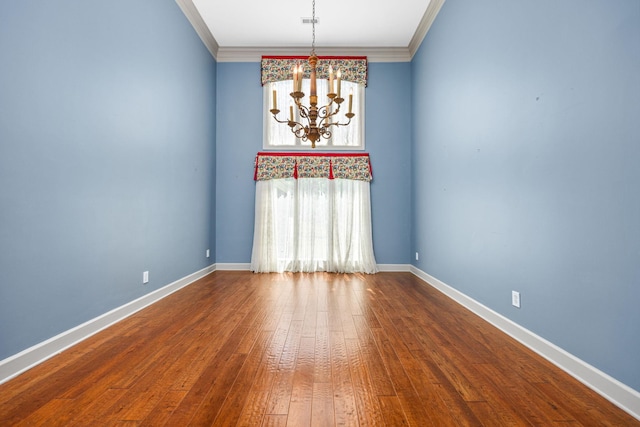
(417, 256)
(207, 253)
(145, 277)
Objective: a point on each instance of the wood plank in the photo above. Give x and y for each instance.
(343, 393)
(301, 397)
(372, 359)
(209, 408)
(407, 396)
(276, 421)
(322, 413)
(280, 396)
(392, 411)
(161, 413)
(322, 357)
(365, 396)
(221, 370)
(255, 408)
(92, 411)
(232, 407)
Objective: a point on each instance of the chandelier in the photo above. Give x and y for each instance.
(314, 122)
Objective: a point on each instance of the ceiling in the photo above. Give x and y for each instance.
(245, 29)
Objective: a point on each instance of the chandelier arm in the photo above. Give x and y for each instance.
(324, 115)
(275, 113)
(336, 124)
(325, 132)
(296, 127)
(302, 109)
(325, 123)
(324, 111)
(300, 132)
(304, 112)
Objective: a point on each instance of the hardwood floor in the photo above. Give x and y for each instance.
(237, 348)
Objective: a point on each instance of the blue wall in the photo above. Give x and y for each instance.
(239, 138)
(525, 167)
(107, 136)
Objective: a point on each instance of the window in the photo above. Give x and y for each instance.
(279, 135)
(277, 74)
(313, 213)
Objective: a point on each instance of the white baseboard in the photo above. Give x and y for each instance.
(32, 356)
(394, 267)
(230, 266)
(613, 390)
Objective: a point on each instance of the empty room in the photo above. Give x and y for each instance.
(320, 212)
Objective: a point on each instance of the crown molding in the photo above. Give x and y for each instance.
(425, 24)
(198, 24)
(254, 54)
(373, 54)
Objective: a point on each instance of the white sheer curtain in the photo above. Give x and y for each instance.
(313, 224)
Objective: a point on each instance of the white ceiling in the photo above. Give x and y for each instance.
(362, 26)
(341, 23)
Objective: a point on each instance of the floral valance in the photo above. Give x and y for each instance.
(278, 68)
(313, 165)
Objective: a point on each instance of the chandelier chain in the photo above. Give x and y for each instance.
(313, 28)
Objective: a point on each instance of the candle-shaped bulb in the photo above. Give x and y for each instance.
(330, 79)
(312, 88)
(275, 97)
(350, 100)
(300, 76)
(295, 78)
(339, 79)
(290, 112)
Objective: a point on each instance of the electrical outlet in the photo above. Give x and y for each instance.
(515, 299)
(145, 277)
(417, 256)
(207, 253)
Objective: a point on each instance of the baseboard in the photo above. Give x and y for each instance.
(394, 267)
(613, 390)
(230, 266)
(26, 359)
